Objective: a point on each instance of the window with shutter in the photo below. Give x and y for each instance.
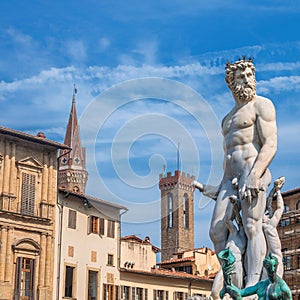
(28, 194)
(111, 229)
(94, 224)
(101, 226)
(72, 219)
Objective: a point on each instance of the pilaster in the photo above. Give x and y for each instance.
(8, 260)
(3, 250)
(48, 260)
(42, 260)
(45, 178)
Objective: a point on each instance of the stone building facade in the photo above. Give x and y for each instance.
(202, 262)
(289, 233)
(88, 247)
(142, 279)
(28, 190)
(177, 213)
(88, 229)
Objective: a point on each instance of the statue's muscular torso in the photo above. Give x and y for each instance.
(241, 139)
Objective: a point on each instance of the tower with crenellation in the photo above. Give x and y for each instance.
(177, 213)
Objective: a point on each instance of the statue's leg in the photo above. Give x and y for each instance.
(256, 244)
(217, 286)
(218, 231)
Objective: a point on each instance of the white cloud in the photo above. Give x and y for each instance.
(17, 36)
(76, 49)
(279, 66)
(104, 43)
(279, 84)
(148, 51)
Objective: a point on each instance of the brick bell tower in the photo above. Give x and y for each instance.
(177, 213)
(72, 174)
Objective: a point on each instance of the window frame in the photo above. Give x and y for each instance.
(73, 285)
(110, 260)
(72, 219)
(28, 194)
(185, 211)
(170, 210)
(93, 224)
(101, 226)
(111, 231)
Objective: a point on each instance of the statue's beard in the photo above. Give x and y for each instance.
(244, 93)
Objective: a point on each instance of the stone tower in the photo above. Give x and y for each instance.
(72, 173)
(177, 213)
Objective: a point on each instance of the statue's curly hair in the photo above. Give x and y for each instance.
(271, 259)
(231, 68)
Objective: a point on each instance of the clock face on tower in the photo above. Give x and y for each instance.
(76, 160)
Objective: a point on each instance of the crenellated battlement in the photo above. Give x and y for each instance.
(170, 180)
(177, 213)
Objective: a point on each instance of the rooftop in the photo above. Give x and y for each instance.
(40, 139)
(167, 273)
(140, 241)
(177, 260)
(93, 200)
(291, 192)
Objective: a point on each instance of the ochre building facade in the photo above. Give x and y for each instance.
(28, 173)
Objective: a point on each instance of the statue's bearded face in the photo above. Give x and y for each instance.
(244, 85)
(240, 78)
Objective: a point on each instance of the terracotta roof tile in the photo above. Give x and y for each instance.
(32, 138)
(291, 192)
(139, 240)
(90, 198)
(176, 260)
(167, 273)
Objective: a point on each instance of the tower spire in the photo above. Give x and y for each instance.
(74, 93)
(72, 171)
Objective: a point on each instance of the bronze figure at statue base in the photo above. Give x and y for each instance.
(272, 288)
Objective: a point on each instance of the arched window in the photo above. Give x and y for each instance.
(185, 211)
(26, 252)
(286, 262)
(170, 210)
(286, 208)
(286, 259)
(298, 205)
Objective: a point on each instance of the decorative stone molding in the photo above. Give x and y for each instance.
(26, 245)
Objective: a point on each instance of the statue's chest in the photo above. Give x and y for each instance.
(242, 118)
(273, 292)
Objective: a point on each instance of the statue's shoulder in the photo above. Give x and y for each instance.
(265, 108)
(261, 101)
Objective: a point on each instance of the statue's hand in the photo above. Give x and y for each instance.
(278, 183)
(198, 185)
(234, 292)
(251, 187)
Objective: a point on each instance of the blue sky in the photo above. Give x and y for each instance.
(132, 126)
